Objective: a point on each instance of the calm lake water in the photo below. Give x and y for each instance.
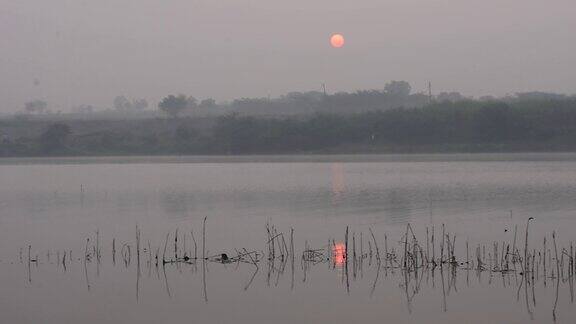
(54, 205)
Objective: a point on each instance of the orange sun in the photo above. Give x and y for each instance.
(337, 40)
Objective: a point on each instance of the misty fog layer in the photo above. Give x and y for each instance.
(70, 53)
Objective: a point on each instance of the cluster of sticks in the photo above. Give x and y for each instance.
(413, 256)
(409, 255)
(175, 242)
(278, 252)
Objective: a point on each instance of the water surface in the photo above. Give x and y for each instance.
(54, 205)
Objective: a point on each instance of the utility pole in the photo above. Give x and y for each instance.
(430, 91)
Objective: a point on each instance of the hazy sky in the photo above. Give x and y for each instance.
(89, 51)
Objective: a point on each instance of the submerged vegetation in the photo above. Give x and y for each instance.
(463, 126)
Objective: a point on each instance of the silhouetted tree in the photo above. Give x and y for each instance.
(191, 103)
(398, 88)
(139, 104)
(450, 96)
(175, 105)
(83, 109)
(121, 103)
(538, 95)
(207, 103)
(36, 106)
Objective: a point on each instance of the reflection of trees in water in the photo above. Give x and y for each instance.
(383, 204)
(393, 206)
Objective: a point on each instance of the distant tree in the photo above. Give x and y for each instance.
(487, 98)
(207, 103)
(55, 136)
(121, 103)
(139, 104)
(36, 106)
(450, 96)
(83, 109)
(398, 88)
(175, 105)
(192, 103)
(538, 95)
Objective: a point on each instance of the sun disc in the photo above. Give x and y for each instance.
(337, 40)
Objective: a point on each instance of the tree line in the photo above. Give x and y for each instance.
(462, 126)
(393, 94)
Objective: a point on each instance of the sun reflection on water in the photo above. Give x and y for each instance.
(339, 252)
